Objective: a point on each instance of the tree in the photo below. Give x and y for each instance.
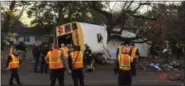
(11, 14)
(9, 17)
(168, 27)
(50, 14)
(122, 17)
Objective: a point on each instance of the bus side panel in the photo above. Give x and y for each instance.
(90, 36)
(80, 37)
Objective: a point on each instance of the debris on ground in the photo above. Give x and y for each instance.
(165, 77)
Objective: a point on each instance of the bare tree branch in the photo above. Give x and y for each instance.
(141, 4)
(129, 5)
(94, 7)
(125, 4)
(113, 7)
(108, 5)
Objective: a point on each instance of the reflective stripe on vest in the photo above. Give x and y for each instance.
(124, 62)
(77, 59)
(55, 60)
(134, 52)
(14, 63)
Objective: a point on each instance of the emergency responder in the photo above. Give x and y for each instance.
(21, 48)
(12, 46)
(12, 64)
(43, 65)
(36, 57)
(134, 53)
(64, 49)
(57, 62)
(88, 58)
(123, 67)
(76, 64)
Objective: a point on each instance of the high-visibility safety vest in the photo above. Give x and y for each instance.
(125, 62)
(65, 50)
(77, 59)
(55, 61)
(14, 63)
(120, 49)
(133, 54)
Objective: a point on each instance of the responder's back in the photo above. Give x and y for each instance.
(55, 59)
(125, 60)
(77, 59)
(14, 63)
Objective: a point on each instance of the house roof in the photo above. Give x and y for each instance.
(23, 30)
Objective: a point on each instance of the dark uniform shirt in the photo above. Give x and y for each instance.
(21, 47)
(44, 50)
(36, 51)
(87, 52)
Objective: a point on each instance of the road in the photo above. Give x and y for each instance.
(103, 77)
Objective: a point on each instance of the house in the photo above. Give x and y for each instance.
(29, 36)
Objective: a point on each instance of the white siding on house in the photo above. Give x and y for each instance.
(29, 40)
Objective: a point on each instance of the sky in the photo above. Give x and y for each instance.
(113, 5)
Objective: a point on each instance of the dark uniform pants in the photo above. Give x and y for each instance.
(57, 74)
(36, 64)
(78, 75)
(134, 67)
(124, 78)
(14, 74)
(43, 66)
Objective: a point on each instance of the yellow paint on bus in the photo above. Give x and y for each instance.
(77, 35)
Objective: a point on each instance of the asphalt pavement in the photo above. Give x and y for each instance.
(101, 77)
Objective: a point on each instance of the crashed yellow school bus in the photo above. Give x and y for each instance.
(78, 34)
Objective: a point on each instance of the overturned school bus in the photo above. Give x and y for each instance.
(79, 34)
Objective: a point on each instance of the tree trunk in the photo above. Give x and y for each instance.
(7, 23)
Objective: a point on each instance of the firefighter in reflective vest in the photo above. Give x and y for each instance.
(134, 53)
(12, 64)
(76, 63)
(123, 68)
(64, 49)
(57, 62)
(89, 60)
